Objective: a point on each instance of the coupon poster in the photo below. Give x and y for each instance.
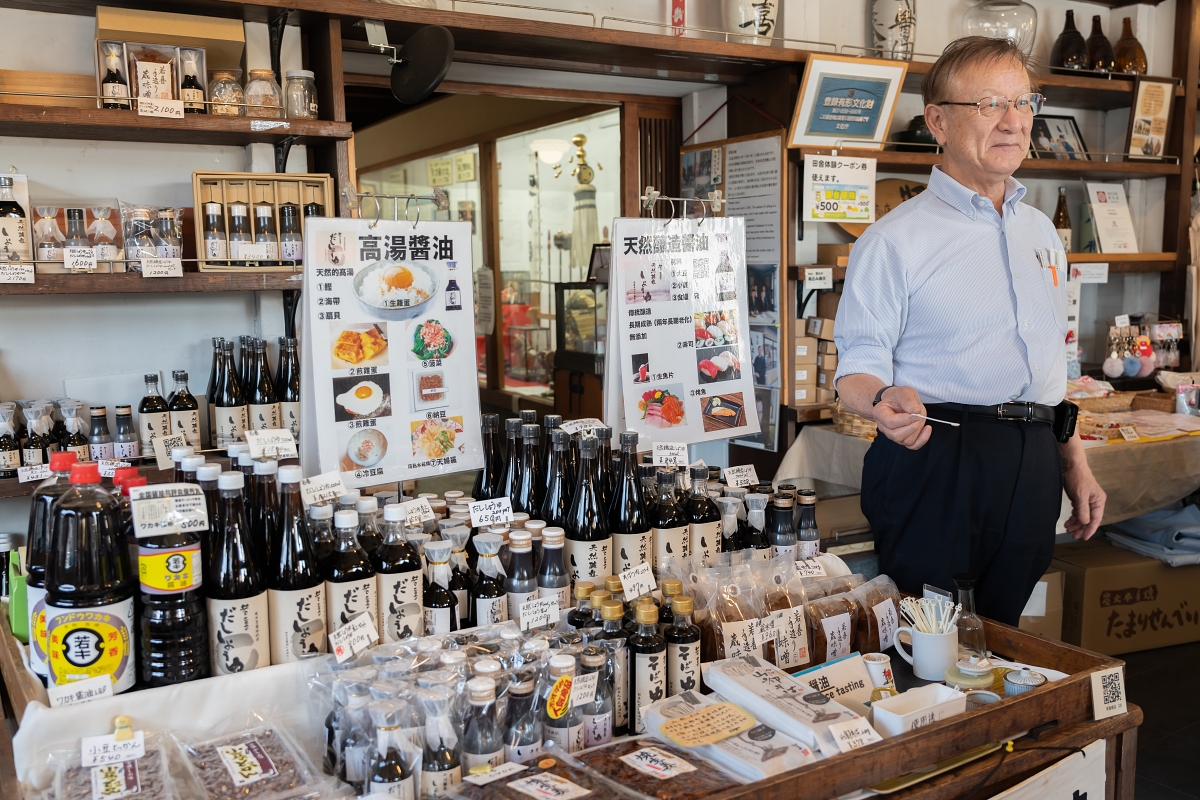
(683, 325)
(389, 330)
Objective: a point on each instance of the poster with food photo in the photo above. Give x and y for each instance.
(682, 324)
(388, 326)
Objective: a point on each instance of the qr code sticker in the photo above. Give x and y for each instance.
(1111, 688)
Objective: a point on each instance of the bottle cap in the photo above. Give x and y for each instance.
(598, 596)
(672, 587)
(613, 584)
(561, 665)
(647, 615)
(452, 495)
(75, 213)
(324, 511)
(807, 497)
(298, 73)
(700, 473)
(528, 415)
(681, 604)
(518, 521)
(122, 474)
(583, 589)
(553, 537)
(629, 438)
(490, 422)
(208, 472)
(269, 467)
(132, 483)
(191, 463)
(428, 495)
(345, 519)
(612, 609)
(782, 501)
(212, 209)
(349, 498)
(531, 432)
(141, 213)
(244, 459)
(366, 505)
(393, 512)
(291, 473)
(237, 210)
(486, 667)
(7, 181)
(124, 411)
(262, 211)
(459, 508)
(535, 527)
(603, 433)
(61, 461)
(520, 541)
(99, 411)
(560, 439)
(179, 374)
(452, 658)
(592, 657)
(231, 480)
(488, 544)
(463, 517)
(588, 448)
(85, 472)
(512, 426)
(481, 690)
(551, 421)
(235, 449)
(666, 479)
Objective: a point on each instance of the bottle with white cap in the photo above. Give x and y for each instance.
(553, 579)
(561, 723)
(488, 598)
(598, 714)
(295, 586)
(207, 475)
(523, 726)
(177, 455)
(239, 637)
(368, 527)
(441, 606)
(521, 584)
(320, 531)
(350, 588)
(346, 502)
(481, 741)
(188, 465)
(398, 573)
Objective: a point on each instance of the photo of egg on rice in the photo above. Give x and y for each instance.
(358, 346)
(362, 397)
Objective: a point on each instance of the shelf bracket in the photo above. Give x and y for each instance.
(282, 148)
(275, 28)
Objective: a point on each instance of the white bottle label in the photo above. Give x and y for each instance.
(35, 602)
(569, 739)
(563, 595)
(14, 239)
(105, 252)
(400, 605)
(193, 98)
(787, 551)
(151, 426)
(216, 248)
(437, 784)
(631, 549)
(355, 759)
(116, 90)
(289, 417)
(127, 450)
(92, 642)
(264, 417)
(490, 610)
(683, 668)
(10, 459)
(297, 623)
(461, 596)
(238, 634)
(1064, 236)
(272, 250)
(621, 686)
(402, 789)
(705, 539)
(807, 550)
(597, 729)
(292, 251)
(472, 760)
(187, 425)
(345, 601)
(515, 599)
(437, 620)
(522, 753)
(32, 456)
(588, 560)
(650, 681)
(83, 452)
(670, 543)
(102, 451)
(168, 251)
(231, 425)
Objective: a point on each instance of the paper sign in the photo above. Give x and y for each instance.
(12, 272)
(252, 251)
(548, 786)
(838, 188)
(77, 692)
(844, 678)
(1108, 693)
(322, 488)
(417, 512)
(669, 454)
(637, 581)
(37, 472)
(494, 774)
(583, 689)
(355, 636)
(739, 477)
(853, 734)
(818, 278)
(79, 259)
(490, 512)
(1129, 433)
(708, 725)
(152, 107)
(485, 302)
(584, 426)
(1089, 273)
(656, 762)
(810, 568)
(888, 621)
(271, 443)
(96, 751)
(1122, 321)
(539, 613)
(109, 466)
(162, 449)
(168, 508)
(162, 268)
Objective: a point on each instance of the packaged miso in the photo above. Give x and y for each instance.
(784, 627)
(834, 620)
(878, 614)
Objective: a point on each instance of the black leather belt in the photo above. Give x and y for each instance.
(1020, 412)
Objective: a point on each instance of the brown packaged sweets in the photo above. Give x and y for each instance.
(833, 620)
(658, 770)
(548, 772)
(876, 615)
(259, 755)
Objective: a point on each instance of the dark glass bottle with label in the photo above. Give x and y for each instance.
(488, 478)
(264, 234)
(557, 500)
(704, 518)
(453, 296)
(482, 742)
(398, 572)
(730, 529)
(263, 402)
(390, 772)
(264, 509)
(566, 731)
(295, 585)
(522, 725)
(521, 582)
(239, 638)
(245, 366)
(125, 439)
(633, 540)
(669, 522)
(231, 412)
(185, 410)
(16, 243)
(604, 463)
(287, 385)
(75, 440)
(581, 616)
(113, 86)
(239, 234)
(780, 531)
(320, 530)
(206, 478)
(291, 241)
(589, 540)
(528, 497)
(487, 598)
(190, 89)
(612, 613)
(37, 447)
(100, 441)
(10, 445)
(210, 392)
(683, 648)
(808, 535)
(440, 766)
(647, 650)
(598, 714)
(510, 476)
(216, 242)
(550, 423)
(648, 478)
(349, 577)
(41, 525)
(756, 518)
(441, 606)
(553, 579)
(369, 536)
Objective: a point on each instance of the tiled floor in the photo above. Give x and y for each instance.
(1164, 683)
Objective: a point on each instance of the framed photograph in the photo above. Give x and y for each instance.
(1150, 117)
(846, 102)
(1058, 138)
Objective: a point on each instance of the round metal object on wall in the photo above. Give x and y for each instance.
(889, 193)
(424, 61)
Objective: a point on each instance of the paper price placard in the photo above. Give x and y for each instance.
(637, 581)
(494, 774)
(810, 568)
(271, 443)
(355, 636)
(670, 454)
(417, 512)
(77, 692)
(490, 512)
(818, 278)
(1129, 433)
(854, 733)
(109, 466)
(707, 726)
(12, 272)
(740, 477)
(1108, 693)
(838, 188)
(1121, 321)
(583, 689)
(79, 259)
(539, 613)
(38, 472)
(584, 426)
(168, 109)
(322, 488)
(97, 751)
(162, 449)
(1089, 273)
(168, 508)
(162, 268)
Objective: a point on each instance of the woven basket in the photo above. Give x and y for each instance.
(846, 421)
(1117, 401)
(1154, 401)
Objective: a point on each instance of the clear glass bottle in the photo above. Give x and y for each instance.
(49, 246)
(398, 573)
(300, 93)
(808, 535)
(140, 242)
(565, 729)
(104, 237)
(320, 518)
(482, 740)
(522, 720)
(263, 97)
(970, 627)
(291, 241)
(216, 243)
(227, 95)
(76, 229)
(349, 577)
(113, 86)
(100, 441)
(168, 243)
(184, 410)
(487, 598)
(264, 233)
(649, 677)
(239, 234)
(154, 418)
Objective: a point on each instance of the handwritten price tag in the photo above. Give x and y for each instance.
(168, 508)
(854, 733)
(1129, 433)
(707, 726)
(79, 692)
(584, 426)
(583, 689)
(490, 512)
(38, 472)
(162, 449)
(810, 568)
(494, 774)
(12, 272)
(355, 636)
(1121, 321)
(669, 454)
(162, 268)
(417, 512)
(97, 751)
(271, 443)
(539, 613)
(79, 259)
(153, 107)
(739, 477)
(637, 581)
(109, 467)
(322, 488)
(257, 251)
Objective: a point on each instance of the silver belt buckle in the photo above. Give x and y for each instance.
(1028, 417)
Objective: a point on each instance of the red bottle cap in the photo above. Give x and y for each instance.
(85, 472)
(62, 460)
(123, 474)
(129, 483)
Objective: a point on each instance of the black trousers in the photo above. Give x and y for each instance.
(982, 498)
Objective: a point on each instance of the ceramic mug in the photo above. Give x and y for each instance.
(933, 653)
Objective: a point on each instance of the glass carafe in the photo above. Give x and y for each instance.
(970, 626)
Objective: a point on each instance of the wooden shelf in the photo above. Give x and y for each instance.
(134, 283)
(920, 163)
(9, 487)
(1117, 262)
(58, 122)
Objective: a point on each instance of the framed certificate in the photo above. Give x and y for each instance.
(846, 102)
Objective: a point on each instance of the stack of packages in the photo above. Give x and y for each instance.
(816, 362)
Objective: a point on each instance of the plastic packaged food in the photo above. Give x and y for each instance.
(784, 628)
(833, 620)
(878, 614)
(659, 770)
(255, 764)
(550, 777)
(147, 778)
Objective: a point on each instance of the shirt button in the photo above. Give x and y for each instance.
(1026, 324)
(1016, 274)
(1037, 368)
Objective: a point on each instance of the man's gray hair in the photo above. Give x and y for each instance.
(968, 51)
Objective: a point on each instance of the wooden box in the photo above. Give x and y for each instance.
(255, 189)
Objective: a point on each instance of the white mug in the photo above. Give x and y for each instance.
(879, 668)
(933, 653)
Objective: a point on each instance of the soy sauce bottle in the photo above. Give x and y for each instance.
(349, 577)
(510, 475)
(398, 573)
(528, 495)
(320, 530)
(390, 772)
(488, 479)
(780, 532)
(154, 417)
(295, 586)
(521, 584)
(264, 507)
(41, 527)
(566, 730)
(669, 522)
(482, 742)
(557, 498)
(239, 635)
(756, 538)
(553, 579)
(648, 650)
(368, 528)
(441, 606)
(633, 540)
(488, 599)
(287, 386)
(550, 423)
(612, 612)
(440, 767)
(581, 616)
(683, 648)
(10, 446)
(589, 541)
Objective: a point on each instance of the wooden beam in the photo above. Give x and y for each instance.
(630, 161)
(1177, 205)
(325, 58)
(489, 199)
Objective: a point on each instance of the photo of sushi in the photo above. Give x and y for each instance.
(718, 364)
(715, 328)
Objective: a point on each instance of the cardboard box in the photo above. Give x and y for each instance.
(806, 375)
(1117, 601)
(841, 516)
(827, 304)
(1043, 614)
(827, 348)
(820, 327)
(830, 253)
(222, 39)
(827, 361)
(805, 394)
(806, 349)
(826, 395)
(825, 378)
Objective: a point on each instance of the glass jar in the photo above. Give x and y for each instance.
(300, 94)
(224, 88)
(263, 98)
(1003, 19)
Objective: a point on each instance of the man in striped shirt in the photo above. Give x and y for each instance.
(955, 308)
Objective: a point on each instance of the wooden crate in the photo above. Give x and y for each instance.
(255, 189)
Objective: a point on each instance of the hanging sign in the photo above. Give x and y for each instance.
(838, 188)
(680, 291)
(390, 331)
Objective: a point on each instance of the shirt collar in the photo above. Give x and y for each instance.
(969, 202)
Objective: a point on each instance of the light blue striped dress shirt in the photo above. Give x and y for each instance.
(947, 296)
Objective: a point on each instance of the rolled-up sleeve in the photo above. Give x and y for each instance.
(872, 310)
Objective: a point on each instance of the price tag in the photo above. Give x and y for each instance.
(38, 472)
(669, 454)
(539, 613)
(256, 251)
(637, 581)
(739, 477)
(494, 774)
(78, 692)
(1108, 693)
(162, 449)
(417, 512)
(1129, 433)
(97, 751)
(162, 268)
(810, 568)
(583, 689)
(489, 512)
(12, 272)
(1122, 321)
(320, 488)
(708, 725)
(109, 466)
(584, 426)
(167, 508)
(153, 107)
(271, 443)
(79, 259)
(355, 636)
(854, 733)
(818, 278)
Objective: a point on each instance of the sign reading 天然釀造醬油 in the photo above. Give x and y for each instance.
(388, 364)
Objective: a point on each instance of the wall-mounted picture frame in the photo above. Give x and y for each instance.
(846, 102)
(1149, 117)
(1058, 138)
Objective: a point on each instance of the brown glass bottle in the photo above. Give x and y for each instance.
(1070, 51)
(1100, 50)
(1131, 57)
(1062, 220)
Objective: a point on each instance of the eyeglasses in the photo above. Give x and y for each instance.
(996, 106)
